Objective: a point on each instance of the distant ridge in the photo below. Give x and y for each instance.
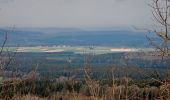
(74, 36)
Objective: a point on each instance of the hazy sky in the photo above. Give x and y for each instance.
(74, 13)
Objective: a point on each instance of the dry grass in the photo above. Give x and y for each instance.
(91, 90)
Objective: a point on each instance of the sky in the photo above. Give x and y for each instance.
(74, 13)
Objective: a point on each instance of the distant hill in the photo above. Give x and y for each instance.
(73, 36)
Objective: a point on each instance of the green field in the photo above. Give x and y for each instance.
(77, 49)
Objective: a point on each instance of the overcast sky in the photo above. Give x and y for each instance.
(74, 13)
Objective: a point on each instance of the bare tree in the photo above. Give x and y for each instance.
(6, 57)
(161, 14)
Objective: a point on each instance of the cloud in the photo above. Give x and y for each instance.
(6, 1)
(74, 13)
(119, 0)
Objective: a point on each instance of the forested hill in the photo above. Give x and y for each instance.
(72, 36)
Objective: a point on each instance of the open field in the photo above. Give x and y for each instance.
(78, 49)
